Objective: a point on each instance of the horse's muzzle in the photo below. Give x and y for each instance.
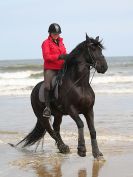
(101, 66)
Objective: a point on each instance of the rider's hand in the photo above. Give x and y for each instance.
(62, 57)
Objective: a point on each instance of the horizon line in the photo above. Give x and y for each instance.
(42, 58)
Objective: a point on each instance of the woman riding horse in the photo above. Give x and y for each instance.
(75, 97)
(52, 48)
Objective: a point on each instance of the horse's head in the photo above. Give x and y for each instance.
(94, 54)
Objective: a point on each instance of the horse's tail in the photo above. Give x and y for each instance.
(39, 130)
(36, 134)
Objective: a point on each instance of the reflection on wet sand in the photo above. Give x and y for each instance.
(82, 173)
(51, 170)
(97, 165)
(52, 166)
(48, 165)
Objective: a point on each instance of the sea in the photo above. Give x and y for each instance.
(113, 117)
(18, 77)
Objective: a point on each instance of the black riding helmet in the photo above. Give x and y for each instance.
(54, 28)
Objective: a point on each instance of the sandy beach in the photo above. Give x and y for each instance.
(115, 141)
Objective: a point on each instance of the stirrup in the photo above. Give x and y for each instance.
(47, 112)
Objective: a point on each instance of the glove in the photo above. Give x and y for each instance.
(62, 57)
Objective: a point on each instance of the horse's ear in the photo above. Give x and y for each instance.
(87, 38)
(97, 38)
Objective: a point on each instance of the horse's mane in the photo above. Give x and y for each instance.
(71, 57)
(97, 43)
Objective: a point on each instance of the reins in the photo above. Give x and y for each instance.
(82, 76)
(94, 64)
(92, 76)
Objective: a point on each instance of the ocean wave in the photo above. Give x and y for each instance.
(37, 75)
(115, 91)
(17, 86)
(16, 92)
(21, 91)
(121, 65)
(20, 80)
(17, 67)
(23, 82)
(120, 62)
(21, 75)
(112, 79)
(29, 74)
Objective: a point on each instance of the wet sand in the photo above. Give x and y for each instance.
(114, 127)
(50, 163)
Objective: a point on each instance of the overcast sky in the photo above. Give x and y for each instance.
(24, 25)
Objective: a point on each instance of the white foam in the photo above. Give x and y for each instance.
(112, 79)
(17, 87)
(21, 83)
(115, 91)
(17, 74)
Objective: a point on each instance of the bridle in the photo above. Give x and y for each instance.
(93, 65)
(91, 58)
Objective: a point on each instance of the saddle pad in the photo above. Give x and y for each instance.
(55, 91)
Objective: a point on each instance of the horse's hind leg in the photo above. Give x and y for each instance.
(81, 141)
(90, 122)
(60, 144)
(56, 125)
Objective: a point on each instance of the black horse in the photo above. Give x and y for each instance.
(75, 97)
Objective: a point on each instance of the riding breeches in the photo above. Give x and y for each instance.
(48, 76)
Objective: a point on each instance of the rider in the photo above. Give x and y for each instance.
(52, 48)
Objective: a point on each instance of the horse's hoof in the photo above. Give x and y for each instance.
(63, 148)
(98, 156)
(82, 151)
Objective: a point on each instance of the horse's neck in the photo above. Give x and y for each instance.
(81, 73)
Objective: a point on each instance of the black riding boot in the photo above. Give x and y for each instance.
(46, 111)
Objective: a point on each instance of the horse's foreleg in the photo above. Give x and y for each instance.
(56, 125)
(90, 122)
(81, 141)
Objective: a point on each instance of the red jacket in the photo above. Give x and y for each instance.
(51, 51)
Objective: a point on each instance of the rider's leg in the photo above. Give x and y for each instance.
(48, 76)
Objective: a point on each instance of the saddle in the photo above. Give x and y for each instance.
(56, 82)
